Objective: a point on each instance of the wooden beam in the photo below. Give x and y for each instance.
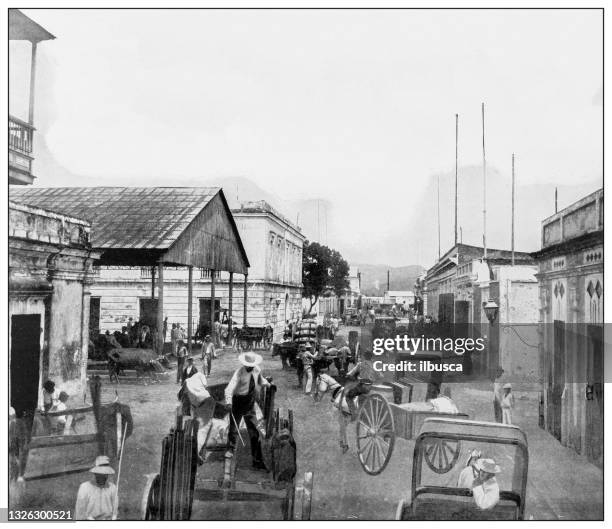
(152, 282)
(32, 85)
(231, 305)
(244, 309)
(160, 309)
(46, 441)
(212, 304)
(189, 307)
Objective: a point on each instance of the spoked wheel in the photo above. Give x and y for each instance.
(441, 454)
(375, 434)
(149, 509)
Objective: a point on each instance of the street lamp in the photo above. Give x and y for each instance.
(491, 308)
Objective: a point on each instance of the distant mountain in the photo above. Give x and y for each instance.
(374, 277)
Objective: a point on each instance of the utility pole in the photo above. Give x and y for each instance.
(512, 235)
(456, 168)
(388, 280)
(556, 193)
(484, 188)
(438, 217)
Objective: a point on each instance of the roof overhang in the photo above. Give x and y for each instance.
(22, 27)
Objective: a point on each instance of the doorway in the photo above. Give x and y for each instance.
(148, 312)
(25, 362)
(204, 321)
(94, 318)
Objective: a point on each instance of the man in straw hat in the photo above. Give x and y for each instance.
(240, 396)
(97, 499)
(485, 488)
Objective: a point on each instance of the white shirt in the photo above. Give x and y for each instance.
(466, 478)
(240, 381)
(96, 503)
(486, 495)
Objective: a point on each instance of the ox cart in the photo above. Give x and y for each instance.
(381, 419)
(207, 484)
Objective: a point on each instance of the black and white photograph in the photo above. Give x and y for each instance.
(290, 263)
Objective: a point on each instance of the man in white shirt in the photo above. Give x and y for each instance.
(97, 499)
(485, 488)
(469, 473)
(240, 396)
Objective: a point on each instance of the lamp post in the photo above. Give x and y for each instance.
(491, 310)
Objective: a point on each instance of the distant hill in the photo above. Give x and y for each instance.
(374, 277)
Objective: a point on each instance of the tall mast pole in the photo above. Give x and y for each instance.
(456, 168)
(512, 236)
(438, 217)
(484, 188)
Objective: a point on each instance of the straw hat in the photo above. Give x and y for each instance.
(487, 465)
(250, 359)
(102, 466)
(508, 386)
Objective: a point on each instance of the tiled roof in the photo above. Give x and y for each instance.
(124, 217)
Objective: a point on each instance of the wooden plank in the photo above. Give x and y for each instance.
(47, 441)
(72, 411)
(307, 496)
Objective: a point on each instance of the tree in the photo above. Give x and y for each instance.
(323, 269)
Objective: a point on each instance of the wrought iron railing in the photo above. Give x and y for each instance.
(20, 135)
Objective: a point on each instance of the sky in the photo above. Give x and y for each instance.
(353, 107)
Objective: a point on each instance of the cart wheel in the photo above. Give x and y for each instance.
(149, 509)
(441, 454)
(375, 434)
(302, 499)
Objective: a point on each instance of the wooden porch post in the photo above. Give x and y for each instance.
(244, 315)
(189, 307)
(160, 308)
(212, 305)
(152, 282)
(231, 305)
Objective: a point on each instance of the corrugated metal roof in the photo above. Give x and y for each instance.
(149, 218)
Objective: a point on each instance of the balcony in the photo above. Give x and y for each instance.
(20, 136)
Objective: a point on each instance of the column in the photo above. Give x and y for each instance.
(231, 305)
(160, 308)
(244, 315)
(152, 282)
(189, 307)
(212, 305)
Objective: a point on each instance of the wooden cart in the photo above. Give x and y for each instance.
(380, 421)
(183, 491)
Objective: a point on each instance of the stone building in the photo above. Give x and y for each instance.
(457, 287)
(50, 273)
(50, 254)
(571, 264)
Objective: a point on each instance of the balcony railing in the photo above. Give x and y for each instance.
(20, 135)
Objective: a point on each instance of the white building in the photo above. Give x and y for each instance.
(399, 297)
(274, 286)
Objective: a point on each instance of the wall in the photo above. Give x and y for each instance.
(50, 267)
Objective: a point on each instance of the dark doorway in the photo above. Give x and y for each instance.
(94, 318)
(446, 309)
(557, 381)
(25, 362)
(204, 321)
(594, 395)
(148, 312)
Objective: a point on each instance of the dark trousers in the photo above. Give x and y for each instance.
(179, 367)
(244, 406)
